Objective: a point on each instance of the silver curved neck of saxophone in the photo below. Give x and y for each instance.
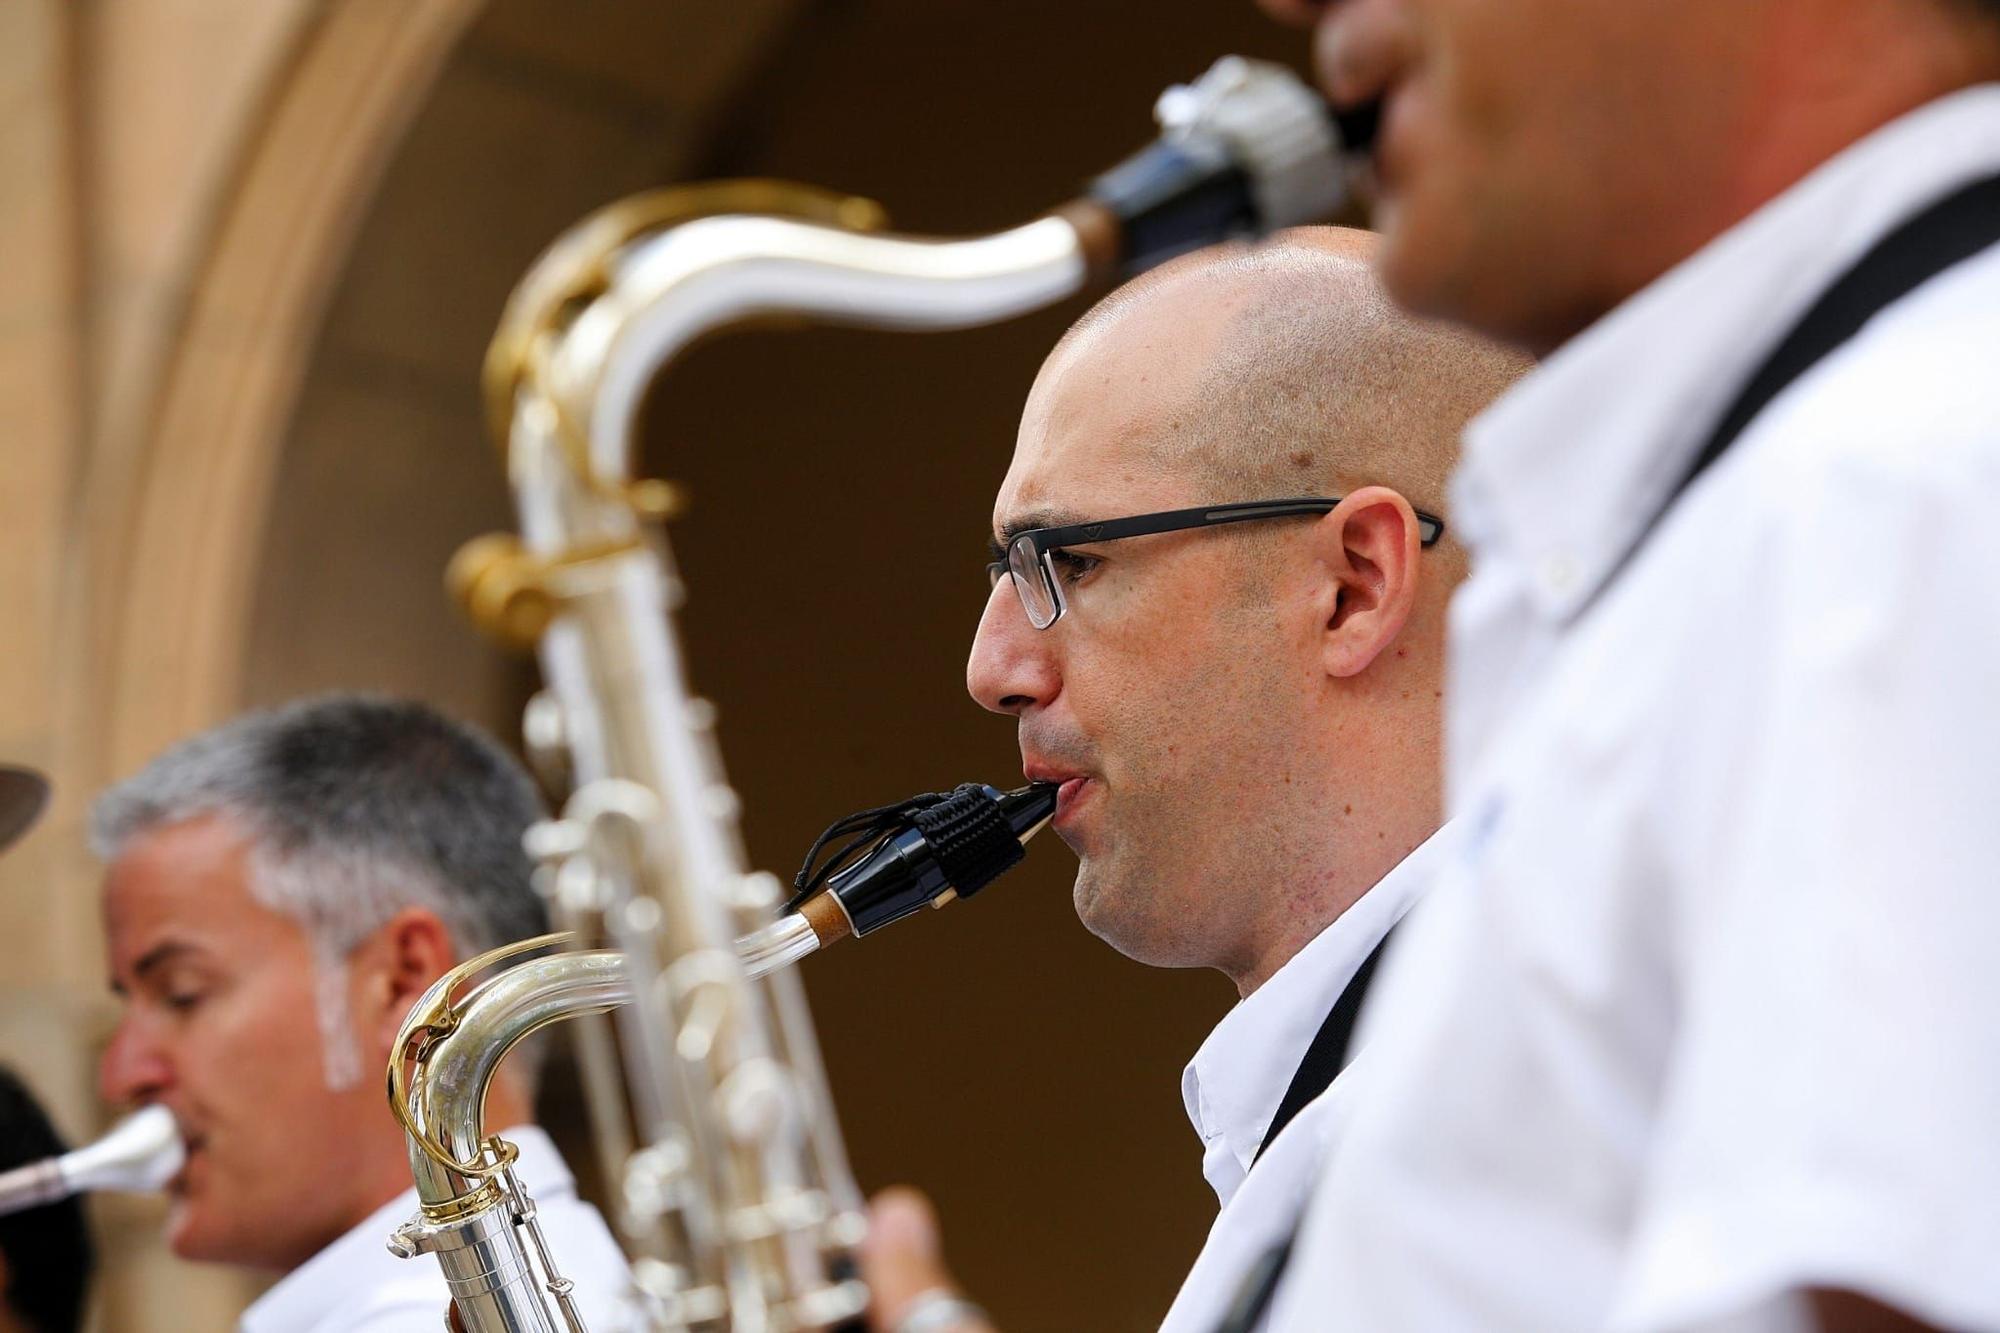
(674, 287)
(521, 1001)
(493, 1019)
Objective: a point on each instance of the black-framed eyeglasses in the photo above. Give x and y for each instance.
(1030, 554)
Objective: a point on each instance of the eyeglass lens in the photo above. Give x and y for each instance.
(1031, 583)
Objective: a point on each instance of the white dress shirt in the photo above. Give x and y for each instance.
(1235, 1082)
(1706, 1010)
(356, 1286)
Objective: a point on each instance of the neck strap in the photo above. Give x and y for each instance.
(1955, 228)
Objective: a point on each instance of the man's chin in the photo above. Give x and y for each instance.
(1133, 933)
(192, 1234)
(1091, 909)
(186, 1236)
(1413, 269)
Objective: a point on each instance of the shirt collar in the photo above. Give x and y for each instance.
(1648, 382)
(1232, 1087)
(359, 1262)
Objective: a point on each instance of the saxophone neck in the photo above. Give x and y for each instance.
(1243, 151)
(457, 1047)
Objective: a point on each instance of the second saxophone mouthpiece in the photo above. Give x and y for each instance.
(1243, 151)
(140, 1153)
(922, 853)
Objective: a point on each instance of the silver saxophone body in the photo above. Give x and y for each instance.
(730, 1186)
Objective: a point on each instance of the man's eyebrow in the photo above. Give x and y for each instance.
(153, 960)
(1035, 518)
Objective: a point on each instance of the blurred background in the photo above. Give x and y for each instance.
(254, 250)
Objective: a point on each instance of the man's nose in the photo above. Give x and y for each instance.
(134, 1069)
(1360, 47)
(1010, 670)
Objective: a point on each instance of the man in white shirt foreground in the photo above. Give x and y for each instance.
(277, 892)
(1701, 1027)
(1243, 715)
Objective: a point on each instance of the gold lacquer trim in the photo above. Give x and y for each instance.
(513, 594)
(577, 269)
(470, 1204)
(430, 1020)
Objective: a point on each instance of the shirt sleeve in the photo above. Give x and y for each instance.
(401, 1319)
(399, 1307)
(1831, 1108)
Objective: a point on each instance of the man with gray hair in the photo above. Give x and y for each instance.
(277, 892)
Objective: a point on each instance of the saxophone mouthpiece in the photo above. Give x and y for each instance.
(1245, 150)
(924, 852)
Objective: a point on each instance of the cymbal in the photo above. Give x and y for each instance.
(23, 794)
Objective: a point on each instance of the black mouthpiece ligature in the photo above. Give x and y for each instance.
(922, 851)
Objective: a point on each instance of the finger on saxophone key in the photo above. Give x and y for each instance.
(903, 1262)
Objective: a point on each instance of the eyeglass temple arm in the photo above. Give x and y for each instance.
(1430, 528)
(1173, 520)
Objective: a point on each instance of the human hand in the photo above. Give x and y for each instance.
(902, 1260)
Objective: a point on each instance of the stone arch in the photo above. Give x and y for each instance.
(192, 389)
(176, 519)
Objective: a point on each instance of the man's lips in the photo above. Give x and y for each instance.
(1359, 61)
(191, 1146)
(1071, 786)
(1391, 142)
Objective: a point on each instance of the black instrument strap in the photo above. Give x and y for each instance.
(1955, 228)
(1326, 1056)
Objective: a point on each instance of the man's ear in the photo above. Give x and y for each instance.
(1370, 548)
(395, 965)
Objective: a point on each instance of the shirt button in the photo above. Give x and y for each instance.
(1558, 574)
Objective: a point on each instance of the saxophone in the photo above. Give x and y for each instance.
(731, 1188)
